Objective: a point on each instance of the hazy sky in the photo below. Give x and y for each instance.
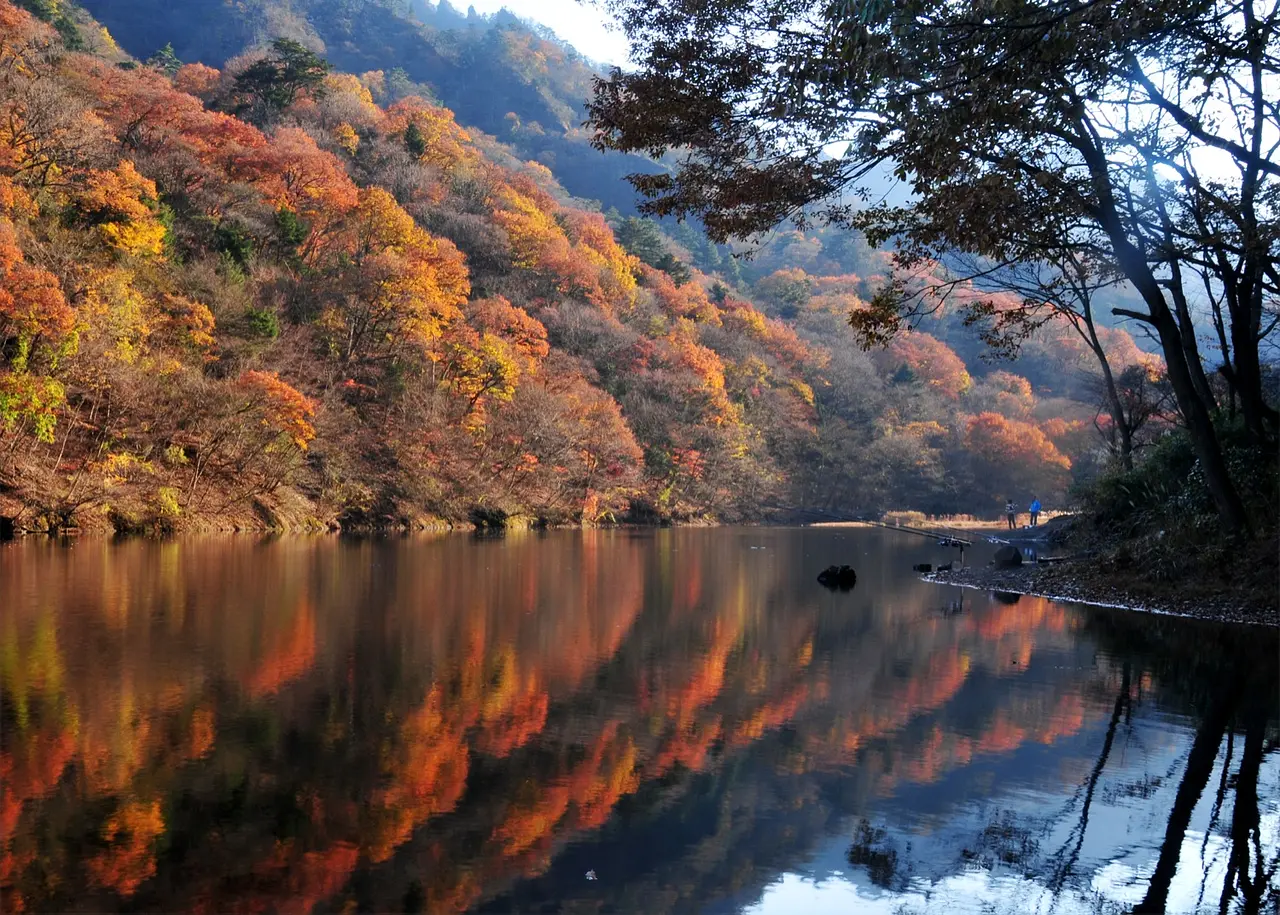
(580, 24)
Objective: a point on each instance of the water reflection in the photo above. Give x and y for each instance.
(449, 724)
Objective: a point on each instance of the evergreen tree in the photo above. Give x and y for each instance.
(165, 60)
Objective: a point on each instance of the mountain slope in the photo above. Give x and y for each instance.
(496, 74)
(275, 293)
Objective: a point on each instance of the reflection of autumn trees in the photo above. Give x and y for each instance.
(249, 728)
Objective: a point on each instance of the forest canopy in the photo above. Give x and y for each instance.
(273, 292)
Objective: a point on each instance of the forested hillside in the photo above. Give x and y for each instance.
(271, 292)
(496, 74)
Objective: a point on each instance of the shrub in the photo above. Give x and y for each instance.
(234, 242)
(263, 323)
(166, 502)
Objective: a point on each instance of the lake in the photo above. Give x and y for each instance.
(614, 721)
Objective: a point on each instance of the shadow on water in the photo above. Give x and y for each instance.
(443, 724)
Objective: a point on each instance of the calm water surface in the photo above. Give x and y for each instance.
(614, 721)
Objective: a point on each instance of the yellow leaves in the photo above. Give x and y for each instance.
(404, 285)
(36, 324)
(135, 238)
(347, 97)
(527, 335)
(580, 257)
(15, 202)
(752, 321)
(190, 324)
(443, 144)
(121, 467)
(116, 311)
(345, 135)
(381, 224)
(108, 41)
(30, 398)
(617, 268)
(121, 203)
(803, 390)
(929, 429)
(481, 368)
(532, 230)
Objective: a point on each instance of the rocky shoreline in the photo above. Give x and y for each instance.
(1078, 582)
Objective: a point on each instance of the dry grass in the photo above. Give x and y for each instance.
(920, 519)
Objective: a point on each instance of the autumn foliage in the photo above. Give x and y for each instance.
(358, 307)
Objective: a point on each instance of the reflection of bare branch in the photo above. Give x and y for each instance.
(1122, 701)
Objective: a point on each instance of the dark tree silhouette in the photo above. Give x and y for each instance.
(1029, 133)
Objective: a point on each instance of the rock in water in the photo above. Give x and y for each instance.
(842, 578)
(1008, 557)
(922, 567)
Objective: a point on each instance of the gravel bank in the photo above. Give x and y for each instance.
(1080, 583)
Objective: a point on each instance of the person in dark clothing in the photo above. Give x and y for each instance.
(1035, 511)
(1011, 513)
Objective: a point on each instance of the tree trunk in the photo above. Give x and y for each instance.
(1134, 263)
(1204, 437)
(1191, 355)
(1122, 701)
(1260, 419)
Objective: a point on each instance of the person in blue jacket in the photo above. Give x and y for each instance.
(1035, 511)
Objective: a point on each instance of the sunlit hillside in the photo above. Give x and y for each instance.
(274, 293)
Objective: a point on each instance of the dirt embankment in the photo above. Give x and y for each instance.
(1088, 573)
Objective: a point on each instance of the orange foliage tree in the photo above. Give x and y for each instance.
(1014, 459)
(579, 257)
(36, 329)
(403, 285)
(295, 174)
(930, 360)
(121, 205)
(432, 134)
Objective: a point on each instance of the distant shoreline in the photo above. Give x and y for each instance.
(945, 523)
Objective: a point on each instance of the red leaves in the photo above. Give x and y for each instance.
(526, 334)
(930, 360)
(31, 301)
(293, 172)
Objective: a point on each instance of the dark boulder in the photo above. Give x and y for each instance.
(1006, 597)
(922, 567)
(1008, 557)
(841, 578)
(8, 528)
